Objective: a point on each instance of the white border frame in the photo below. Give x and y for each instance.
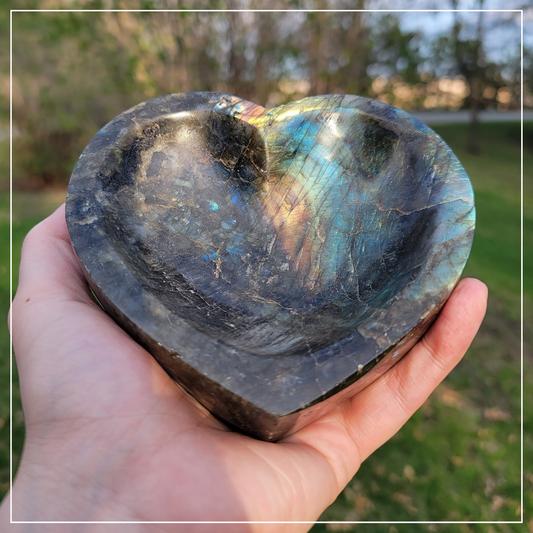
(521, 11)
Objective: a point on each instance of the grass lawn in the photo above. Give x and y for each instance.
(458, 458)
(28, 210)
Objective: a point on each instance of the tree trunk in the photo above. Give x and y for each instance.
(476, 89)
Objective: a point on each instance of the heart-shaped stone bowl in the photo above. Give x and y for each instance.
(273, 262)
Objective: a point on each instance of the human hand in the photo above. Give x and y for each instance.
(109, 436)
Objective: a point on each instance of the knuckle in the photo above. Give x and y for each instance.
(30, 240)
(437, 357)
(401, 391)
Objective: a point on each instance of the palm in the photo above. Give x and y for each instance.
(107, 418)
(136, 427)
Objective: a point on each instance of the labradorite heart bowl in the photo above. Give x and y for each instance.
(273, 261)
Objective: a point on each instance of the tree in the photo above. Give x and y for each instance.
(469, 56)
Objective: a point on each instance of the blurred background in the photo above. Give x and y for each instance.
(458, 458)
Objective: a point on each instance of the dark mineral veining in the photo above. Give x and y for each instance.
(270, 259)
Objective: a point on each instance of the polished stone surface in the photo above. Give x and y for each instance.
(270, 259)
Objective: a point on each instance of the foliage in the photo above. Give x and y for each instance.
(75, 71)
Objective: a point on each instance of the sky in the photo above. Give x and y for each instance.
(502, 29)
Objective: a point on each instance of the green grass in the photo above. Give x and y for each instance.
(458, 458)
(495, 175)
(28, 210)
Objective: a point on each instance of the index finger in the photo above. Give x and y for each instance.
(49, 268)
